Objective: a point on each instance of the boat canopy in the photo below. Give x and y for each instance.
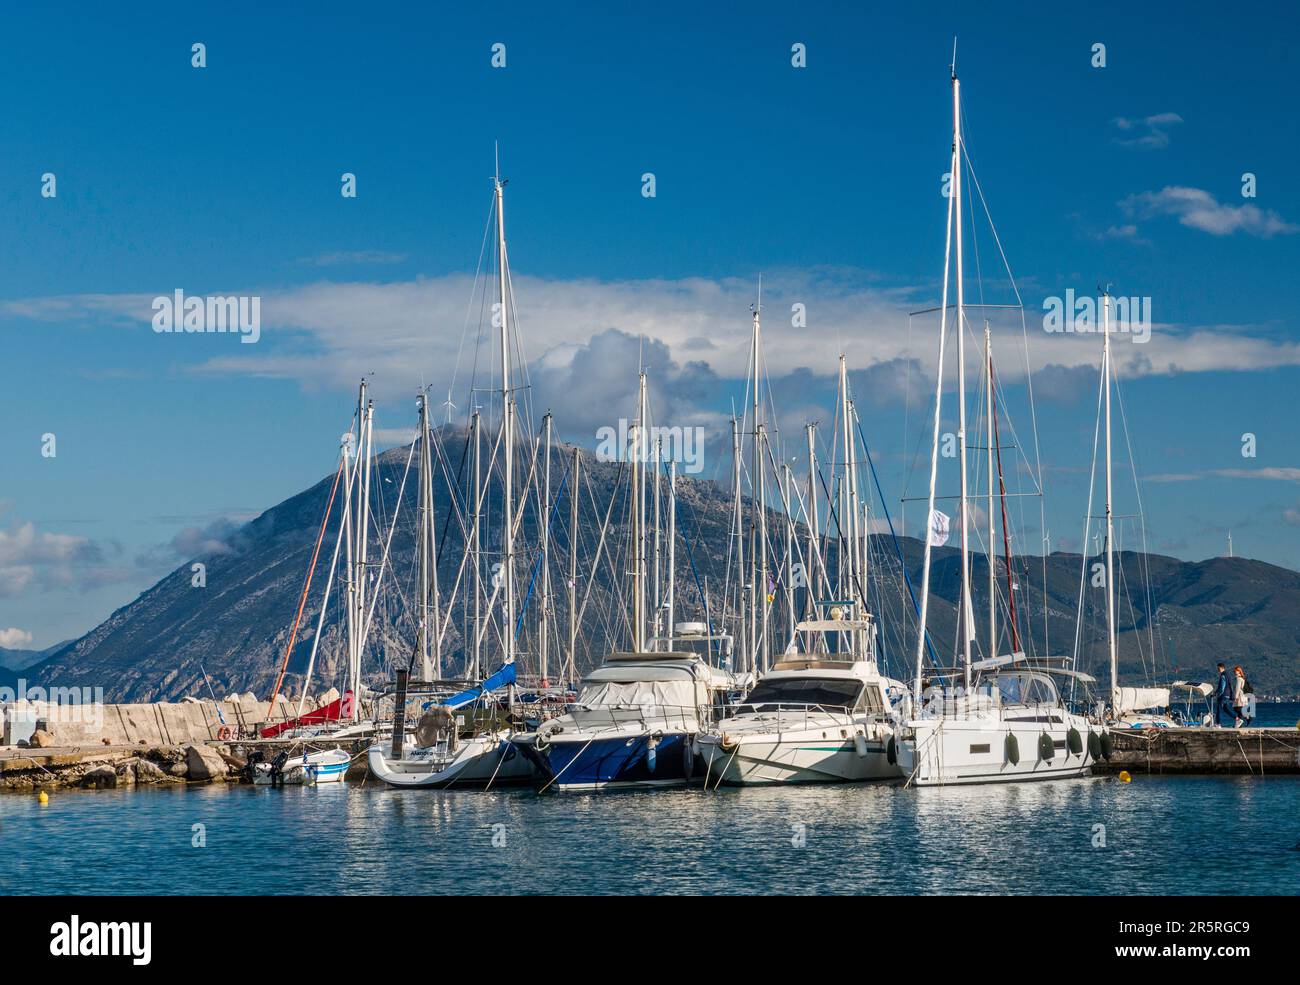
(1140, 698)
(833, 625)
(504, 676)
(647, 695)
(1204, 688)
(332, 712)
(677, 670)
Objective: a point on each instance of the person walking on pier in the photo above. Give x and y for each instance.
(1241, 694)
(1222, 697)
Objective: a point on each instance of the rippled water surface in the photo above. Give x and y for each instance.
(1162, 835)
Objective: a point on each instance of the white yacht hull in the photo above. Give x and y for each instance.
(477, 761)
(809, 756)
(950, 751)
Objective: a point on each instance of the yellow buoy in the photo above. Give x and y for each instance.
(43, 797)
(1124, 777)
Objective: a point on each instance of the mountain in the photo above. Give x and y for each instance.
(15, 658)
(228, 630)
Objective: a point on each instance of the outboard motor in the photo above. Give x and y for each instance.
(277, 768)
(255, 756)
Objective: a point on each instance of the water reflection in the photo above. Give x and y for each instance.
(1157, 835)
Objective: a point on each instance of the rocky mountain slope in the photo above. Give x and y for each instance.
(234, 628)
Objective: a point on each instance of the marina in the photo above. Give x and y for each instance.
(524, 452)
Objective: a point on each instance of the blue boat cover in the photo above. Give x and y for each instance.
(504, 676)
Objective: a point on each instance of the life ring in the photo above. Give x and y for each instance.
(225, 733)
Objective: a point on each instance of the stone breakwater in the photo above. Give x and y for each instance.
(161, 723)
(104, 745)
(24, 770)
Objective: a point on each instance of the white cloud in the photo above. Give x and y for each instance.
(11, 638)
(1198, 209)
(583, 341)
(1147, 133)
(39, 559)
(1270, 473)
(352, 258)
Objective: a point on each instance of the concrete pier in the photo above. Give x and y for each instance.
(1247, 751)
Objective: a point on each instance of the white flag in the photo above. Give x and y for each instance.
(938, 528)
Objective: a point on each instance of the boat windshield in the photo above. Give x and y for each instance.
(829, 692)
(1024, 689)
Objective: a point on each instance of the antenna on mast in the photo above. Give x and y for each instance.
(952, 68)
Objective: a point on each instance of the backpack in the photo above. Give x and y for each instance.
(1247, 687)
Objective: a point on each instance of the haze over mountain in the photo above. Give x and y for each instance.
(230, 634)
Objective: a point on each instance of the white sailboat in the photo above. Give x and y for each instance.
(1130, 707)
(439, 753)
(1004, 720)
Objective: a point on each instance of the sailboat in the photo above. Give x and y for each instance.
(451, 743)
(1003, 719)
(1129, 707)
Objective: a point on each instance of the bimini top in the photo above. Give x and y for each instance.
(626, 667)
(1019, 660)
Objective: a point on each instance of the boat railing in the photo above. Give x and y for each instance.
(798, 711)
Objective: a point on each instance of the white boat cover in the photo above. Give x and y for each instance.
(673, 695)
(1141, 698)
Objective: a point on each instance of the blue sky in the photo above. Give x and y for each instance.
(226, 180)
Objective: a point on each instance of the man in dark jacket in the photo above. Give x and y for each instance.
(1223, 697)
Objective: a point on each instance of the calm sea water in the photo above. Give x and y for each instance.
(1162, 835)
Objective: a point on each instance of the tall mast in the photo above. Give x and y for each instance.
(764, 637)
(758, 562)
(573, 570)
(638, 528)
(967, 612)
(476, 424)
(424, 527)
(350, 540)
(848, 519)
(992, 551)
(545, 612)
(507, 428)
(858, 548)
(789, 552)
(1110, 530)
(738, 531)
(934, 447)
(655, 593)
(671, 601)
(814, 526)
(365, 429)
